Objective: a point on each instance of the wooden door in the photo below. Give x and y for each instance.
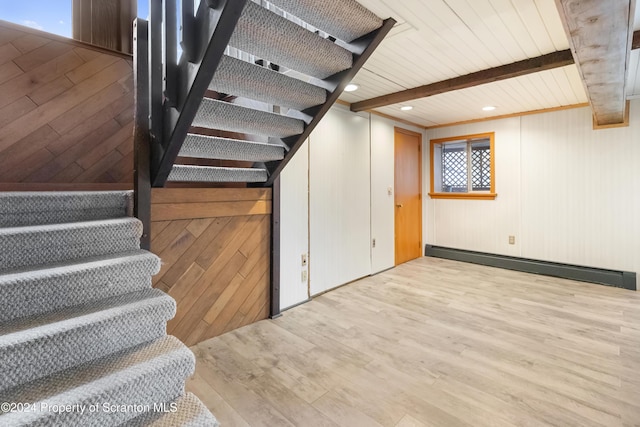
(408, 195)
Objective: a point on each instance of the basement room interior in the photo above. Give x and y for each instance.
(347, 213)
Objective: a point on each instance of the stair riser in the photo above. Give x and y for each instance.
(40, 356)
(39, 255)
(29, 299)
(160, 380)
(37, 208)
(217, 148)
(59, 217)
(45, 244)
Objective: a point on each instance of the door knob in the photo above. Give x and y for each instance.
(399, 206)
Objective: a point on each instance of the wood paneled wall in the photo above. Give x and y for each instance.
(66, 110)
(215, 250)
(106, 23)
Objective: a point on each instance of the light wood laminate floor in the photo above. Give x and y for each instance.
(434, 343)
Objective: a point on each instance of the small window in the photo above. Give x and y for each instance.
(462, 167)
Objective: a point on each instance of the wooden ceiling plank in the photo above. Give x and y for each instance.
(535, 25)
(512, 20)
(600, 34)
(516, 69)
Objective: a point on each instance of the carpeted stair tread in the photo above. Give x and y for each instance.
(32, 208)
(35, 347)
(345, 19)
(241, 78)
(186, 173)
(55, 286)
(220, 115)
(148, 374)
(276, 39)
(44, 244)
(186, 411)
(209, 147)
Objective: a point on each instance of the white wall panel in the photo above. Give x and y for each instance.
(568, 193)
(382, 203)
(581, 190)
(294, 228)
(351, 170)
(481, 225)
(633, 82)
(339, 188)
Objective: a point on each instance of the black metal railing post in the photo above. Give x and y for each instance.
(171, 52)
(155, 77)
(188, 41)
(141, 135)
(274, 290)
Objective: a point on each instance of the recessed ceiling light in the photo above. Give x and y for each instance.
(406, 108)
(351, 87)
(488, 108)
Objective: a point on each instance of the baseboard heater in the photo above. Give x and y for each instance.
(619, 279)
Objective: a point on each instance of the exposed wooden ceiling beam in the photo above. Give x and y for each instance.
(600, 34)
(516, 69)
(520, 68)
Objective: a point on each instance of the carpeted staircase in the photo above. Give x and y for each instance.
(81, 329)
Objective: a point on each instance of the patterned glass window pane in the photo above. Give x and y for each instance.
(480, 166)
(454, 169)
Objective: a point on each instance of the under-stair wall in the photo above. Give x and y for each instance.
(66, 110)
(215, 251)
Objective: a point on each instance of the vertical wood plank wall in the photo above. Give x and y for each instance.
(105, 23)
(215, 250)
(66, 110)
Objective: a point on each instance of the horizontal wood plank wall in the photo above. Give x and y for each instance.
(215, 250)
(66, 111)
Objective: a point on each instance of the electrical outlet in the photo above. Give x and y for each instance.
(373, 243)
(512, 240)
(304, 275)
(390, 191)
(304, 260)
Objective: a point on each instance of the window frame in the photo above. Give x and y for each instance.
(471, 195)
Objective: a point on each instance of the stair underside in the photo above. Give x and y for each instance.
(345, 19)
(207, 147)
(186, 173)
(241, 78)
(272, 37)
(220, 115)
